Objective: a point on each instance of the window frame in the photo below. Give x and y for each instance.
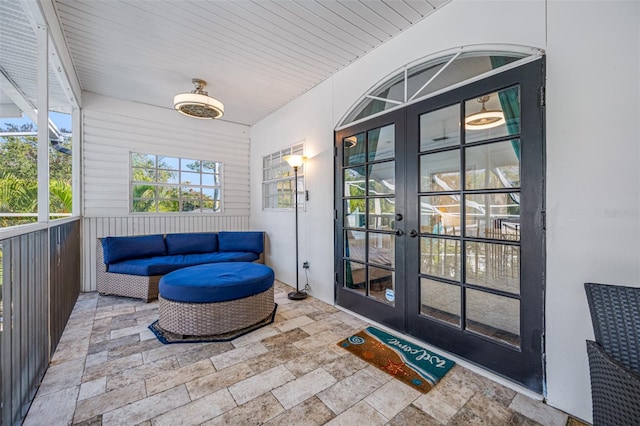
(156, 184)
(276, 179)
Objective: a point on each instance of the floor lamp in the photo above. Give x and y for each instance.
(296, 161)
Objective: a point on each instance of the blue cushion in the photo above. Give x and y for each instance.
(241, 241)
(164, 264)
(216, 282)
(117, 249)
(191, 243)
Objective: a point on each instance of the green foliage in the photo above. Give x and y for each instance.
(156, 178)
(19, 155)
(19, 177)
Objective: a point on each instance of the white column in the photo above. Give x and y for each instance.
(43, 123)
(76, 161)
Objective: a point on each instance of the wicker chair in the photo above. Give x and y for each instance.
(614, 358)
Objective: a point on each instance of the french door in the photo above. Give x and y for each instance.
(440, 221)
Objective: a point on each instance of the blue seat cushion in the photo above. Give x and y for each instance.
(164, 264)
(241, 241)
(191, 243)
(216, 282)
(117, 249)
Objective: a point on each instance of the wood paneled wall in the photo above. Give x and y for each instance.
(98, 227)
(112, 128)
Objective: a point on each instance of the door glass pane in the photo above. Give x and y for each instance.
(495, 165)
(494, 216)
(382, 178)
(354, 213)
(440, 257)
(440, 300)
(495, 266)
(382, 213)
(382, 249)
(382, 143)
(354, 276)
(493, 115)
(354, 149)
(354, 182)
(440, 214)
(354, 246)
(440, 172)
(440, 128)
(382, 285)
(494, 316)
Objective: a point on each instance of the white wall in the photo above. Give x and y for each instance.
(314, 115)
(112, 128)
(592, 190)
(592, 177)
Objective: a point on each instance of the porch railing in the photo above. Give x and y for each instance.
(40, 281)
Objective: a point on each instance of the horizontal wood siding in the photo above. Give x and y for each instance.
(113, 128)
(98, 227)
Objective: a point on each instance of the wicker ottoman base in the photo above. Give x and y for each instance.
(204, 319)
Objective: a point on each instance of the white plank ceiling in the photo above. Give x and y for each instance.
(256, 55)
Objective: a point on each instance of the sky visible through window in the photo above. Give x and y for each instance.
(63, 121)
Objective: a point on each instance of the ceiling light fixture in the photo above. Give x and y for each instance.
(484, 119)
(198, 103)
(350, 142)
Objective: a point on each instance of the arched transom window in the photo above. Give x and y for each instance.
(437, 73)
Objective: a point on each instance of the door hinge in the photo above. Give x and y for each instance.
(336, 278)
(543, 96)
(335, 214)
(544, 220)
(335, 151)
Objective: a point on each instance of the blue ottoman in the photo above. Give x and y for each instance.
(215, 299)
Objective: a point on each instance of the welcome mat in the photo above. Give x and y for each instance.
(408, 362)
(168, 337)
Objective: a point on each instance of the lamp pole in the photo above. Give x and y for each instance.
(296, 161)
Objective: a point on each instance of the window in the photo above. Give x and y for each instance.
(434, 74)
(278, 180)
(161, 184)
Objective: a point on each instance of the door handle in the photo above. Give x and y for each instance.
(413, 233)
(398, 217)
(399, 232)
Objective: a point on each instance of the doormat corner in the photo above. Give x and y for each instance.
(412, 364)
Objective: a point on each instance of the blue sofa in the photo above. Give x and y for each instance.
(132, 266)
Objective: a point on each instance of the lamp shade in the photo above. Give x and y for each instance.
(295, 160)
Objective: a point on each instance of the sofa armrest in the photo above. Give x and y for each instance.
(100, 265)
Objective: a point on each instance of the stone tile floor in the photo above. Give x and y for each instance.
(110, 369)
